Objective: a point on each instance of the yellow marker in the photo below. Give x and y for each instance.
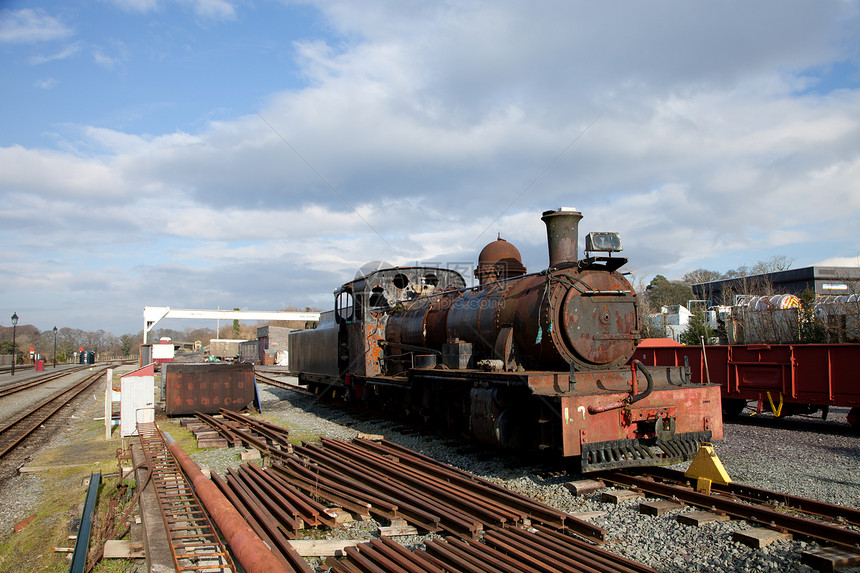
(703, 485)
(777, 410)
(707, 465)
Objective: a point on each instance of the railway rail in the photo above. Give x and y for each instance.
(15, 431)
(819, 510)
(13, 388)
(751, 504)
(282, 384)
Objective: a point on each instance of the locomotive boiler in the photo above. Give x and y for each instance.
(536, 361)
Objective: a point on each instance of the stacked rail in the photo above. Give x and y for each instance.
(489, 528)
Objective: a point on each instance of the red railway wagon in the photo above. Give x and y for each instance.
(787, 378)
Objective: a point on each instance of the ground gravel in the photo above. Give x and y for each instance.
(803, 456)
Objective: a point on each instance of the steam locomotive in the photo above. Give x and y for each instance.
(533, 361)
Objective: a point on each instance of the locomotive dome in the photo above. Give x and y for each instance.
(499, 260)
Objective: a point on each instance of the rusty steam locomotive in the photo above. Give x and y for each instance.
(534, 361)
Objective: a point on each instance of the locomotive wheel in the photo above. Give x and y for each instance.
(732, 407)
(854, 417)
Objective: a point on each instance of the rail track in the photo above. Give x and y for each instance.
(18, 367)
(821, 521)
(282, 384)
(13, 388)
(380, 479)
(15, 431)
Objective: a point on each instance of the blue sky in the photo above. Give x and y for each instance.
(254, 154)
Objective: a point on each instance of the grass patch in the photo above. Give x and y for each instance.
(183, 437)
(297, 435)
(32, 548)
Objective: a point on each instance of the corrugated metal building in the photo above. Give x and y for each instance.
(823, 280)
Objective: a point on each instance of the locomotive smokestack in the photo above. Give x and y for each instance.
(562, 233)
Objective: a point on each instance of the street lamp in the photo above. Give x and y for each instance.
(14, 324)
(55, 347)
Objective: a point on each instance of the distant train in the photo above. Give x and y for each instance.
(532, 361)
(86, 356)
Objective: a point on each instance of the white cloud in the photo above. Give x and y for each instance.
(50, 175)
(443, 125)
(136, 5)
(65, 53)
(47, 83)
(105, 61)
(213, 9)
(29, 26)
(839, 262)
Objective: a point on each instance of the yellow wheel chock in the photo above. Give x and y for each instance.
(707, 468)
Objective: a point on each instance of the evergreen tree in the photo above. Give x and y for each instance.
(697, 329)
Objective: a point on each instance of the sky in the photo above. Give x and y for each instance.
(253, 154)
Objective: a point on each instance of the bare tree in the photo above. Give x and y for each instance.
(700, 276)
(773, 264)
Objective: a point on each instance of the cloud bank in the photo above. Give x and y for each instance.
(709, 135)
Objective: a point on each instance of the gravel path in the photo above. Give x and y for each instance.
(799, 456)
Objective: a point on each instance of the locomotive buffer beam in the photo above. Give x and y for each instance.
(636, 453)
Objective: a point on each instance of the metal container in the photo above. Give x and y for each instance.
(224, 348)
(207, 388)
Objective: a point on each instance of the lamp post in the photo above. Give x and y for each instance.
(14, 324)
(55, 347)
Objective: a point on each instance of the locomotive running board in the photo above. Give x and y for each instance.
(635, 453)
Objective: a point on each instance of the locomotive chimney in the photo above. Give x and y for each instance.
(562, 233)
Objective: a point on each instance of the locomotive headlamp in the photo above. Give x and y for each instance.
(608, 242)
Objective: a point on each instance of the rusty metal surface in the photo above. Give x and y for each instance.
(207, 387)
(601, 329)
(499, 260)
(485, 521)
(511, 361)
(562, 229)
(693, 409)
(191, 535)
(262, 524)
